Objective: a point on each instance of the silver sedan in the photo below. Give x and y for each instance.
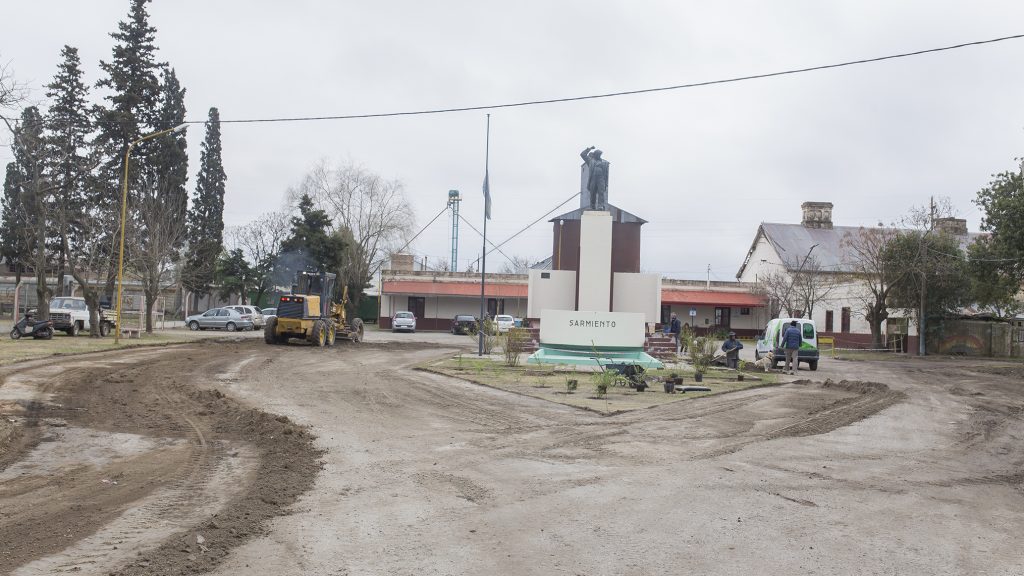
(219, 319)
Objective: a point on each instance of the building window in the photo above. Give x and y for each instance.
(666, 313)
(744, 311)
(846, 319)
(828, 321)
(723, 317)
(418, 306)
(545, 274)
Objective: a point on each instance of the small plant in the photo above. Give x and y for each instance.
(570, 385)
(702, 352)
(513, 344)
(490, 339)
(602, 380)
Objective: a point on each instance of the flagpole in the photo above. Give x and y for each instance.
(487, 215)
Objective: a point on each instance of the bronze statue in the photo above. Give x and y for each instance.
(595, 178)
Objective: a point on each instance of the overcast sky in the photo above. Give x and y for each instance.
(704, 166)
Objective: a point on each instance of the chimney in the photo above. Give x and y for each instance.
(402, 262)
(951, 226)
(817, 215)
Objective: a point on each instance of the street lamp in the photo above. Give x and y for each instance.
(124, 216)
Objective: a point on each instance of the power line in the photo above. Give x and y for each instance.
(525, 228)
(468, 223)
(620, 93)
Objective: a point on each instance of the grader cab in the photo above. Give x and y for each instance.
(309, 313)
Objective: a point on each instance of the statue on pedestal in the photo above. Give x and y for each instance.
(594, 180)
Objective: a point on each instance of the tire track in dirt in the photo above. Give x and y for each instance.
(232, 469)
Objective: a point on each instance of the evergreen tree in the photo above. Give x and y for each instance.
(68, 126)
(206, 216)
(132, 77)
(131, 111)
(234, 275)
(159, 215)
(311, 244)
(1003, 203)
(13, 247)
(34, 200)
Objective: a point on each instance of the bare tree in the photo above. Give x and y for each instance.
(813, 285)
(874, 273)
(516, 265)
(369, 211)
(158, 232)
(799, 286)
(88, 243)
(260, 242)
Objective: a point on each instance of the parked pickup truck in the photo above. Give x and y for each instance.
(70, 314)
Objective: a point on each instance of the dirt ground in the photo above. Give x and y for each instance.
(183, 460)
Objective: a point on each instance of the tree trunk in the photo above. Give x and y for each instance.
(921, 348)
(150, 304)
(42, 295)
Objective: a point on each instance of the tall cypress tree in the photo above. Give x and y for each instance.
(206, 216)
(13, 248)
(68, 126)
(132, 108)
(159, 213)
(35, 200)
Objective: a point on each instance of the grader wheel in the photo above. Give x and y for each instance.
(331, 332)
(270, 331)
(319, 333)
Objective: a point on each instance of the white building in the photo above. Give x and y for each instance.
(785, 248)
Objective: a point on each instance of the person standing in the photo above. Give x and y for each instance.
(791, 340)
(732, 348)
(675, 328)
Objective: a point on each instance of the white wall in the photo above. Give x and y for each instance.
(556, 292)
(448, 306)
(756, 320)
(638, 293)
(595, 261)
(763, 250)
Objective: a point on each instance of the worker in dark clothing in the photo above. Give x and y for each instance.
(674, 328)
(791, 340)
(732, 348)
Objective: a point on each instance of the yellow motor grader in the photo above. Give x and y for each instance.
(309, 314)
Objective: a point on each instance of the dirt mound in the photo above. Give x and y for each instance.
(856, 386)
(187, 437)
(1010, 371)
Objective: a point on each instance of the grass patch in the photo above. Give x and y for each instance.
(549, 382)
(12, 351)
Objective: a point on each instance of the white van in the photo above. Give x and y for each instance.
(771, 341)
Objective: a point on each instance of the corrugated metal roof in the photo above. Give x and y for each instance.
(794, 241)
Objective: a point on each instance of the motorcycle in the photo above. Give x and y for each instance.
(29, 326)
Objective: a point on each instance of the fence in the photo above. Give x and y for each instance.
(975, 338)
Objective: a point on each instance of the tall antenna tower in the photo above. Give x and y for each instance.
(453, 202)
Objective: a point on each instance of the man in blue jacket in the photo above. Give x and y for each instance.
(791, 340)
(732, 348)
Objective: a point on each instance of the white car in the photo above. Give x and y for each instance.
(403, 321)
(250, 313)
(504, 322)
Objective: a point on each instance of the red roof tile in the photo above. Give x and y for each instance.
(429, 287)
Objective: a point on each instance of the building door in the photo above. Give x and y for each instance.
(493, 308)
(828, 320)
(666, 313)
(845, 320)
(723, 317)
(418, 306)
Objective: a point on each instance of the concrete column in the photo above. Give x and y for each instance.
(595, 261)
